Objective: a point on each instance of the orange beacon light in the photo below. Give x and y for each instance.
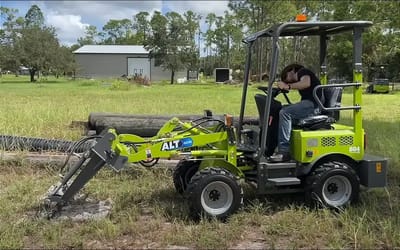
(301, 18)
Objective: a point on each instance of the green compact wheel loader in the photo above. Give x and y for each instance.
(328, 160)
(380, 83)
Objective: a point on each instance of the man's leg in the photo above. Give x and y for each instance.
(286, 117)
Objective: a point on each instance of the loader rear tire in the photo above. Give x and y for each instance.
(214, 193)
(332, 185)
(183, 172)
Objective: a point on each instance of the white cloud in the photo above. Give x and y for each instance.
(99, 12)
(71, 17)
(68, 27)
(199, 7)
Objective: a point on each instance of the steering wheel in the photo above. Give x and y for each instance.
(275, 92)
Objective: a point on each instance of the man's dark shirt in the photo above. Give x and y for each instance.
(307, 94)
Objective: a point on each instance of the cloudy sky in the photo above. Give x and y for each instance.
(71, 17)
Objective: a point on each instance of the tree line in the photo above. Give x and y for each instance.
(27, 41)
(177, 41)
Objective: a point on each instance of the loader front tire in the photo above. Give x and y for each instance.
(214, 193)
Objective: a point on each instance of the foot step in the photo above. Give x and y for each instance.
(285, 181)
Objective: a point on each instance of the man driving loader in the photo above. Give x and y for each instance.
(294, 76)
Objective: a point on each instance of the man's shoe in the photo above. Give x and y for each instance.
(280, 157)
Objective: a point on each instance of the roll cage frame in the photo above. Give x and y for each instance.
(324, 30)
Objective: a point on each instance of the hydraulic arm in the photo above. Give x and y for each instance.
(175, 138)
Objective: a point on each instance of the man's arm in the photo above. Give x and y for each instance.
(305, 82)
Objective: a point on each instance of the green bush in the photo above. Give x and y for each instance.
(120, 85)
(88, 83)
(238, 76)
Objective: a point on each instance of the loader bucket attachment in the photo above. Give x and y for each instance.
(84, 170)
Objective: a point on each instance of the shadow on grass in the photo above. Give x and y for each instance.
(29, 82)
(273, 203)
(15, 81)
(26, 80)
(174, 206)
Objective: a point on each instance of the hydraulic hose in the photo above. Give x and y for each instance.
(15, 143)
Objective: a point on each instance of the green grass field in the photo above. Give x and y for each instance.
(147, 212)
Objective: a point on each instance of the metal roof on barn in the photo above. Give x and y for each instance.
(111, 49)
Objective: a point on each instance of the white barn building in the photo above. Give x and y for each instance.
(108, 61)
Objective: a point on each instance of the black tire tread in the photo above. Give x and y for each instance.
(191, 192)
(313, 180)
(179, 173)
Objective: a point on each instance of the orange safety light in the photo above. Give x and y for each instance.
(228, 120)
(301, 18)
(378, 167)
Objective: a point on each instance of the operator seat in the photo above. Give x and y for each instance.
(331, 98)
(273, 121)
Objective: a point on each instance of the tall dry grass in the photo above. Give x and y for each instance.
(147, 212)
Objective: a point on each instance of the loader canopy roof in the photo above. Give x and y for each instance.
(307, 29)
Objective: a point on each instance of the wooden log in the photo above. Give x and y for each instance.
(147, 126)
(140, 127)
(94, 117)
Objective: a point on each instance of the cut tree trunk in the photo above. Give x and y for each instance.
(32, 74)
(145, 125)
(94, 117)
(172, 76)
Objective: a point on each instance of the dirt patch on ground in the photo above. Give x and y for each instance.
(88, 210)
(80, 209)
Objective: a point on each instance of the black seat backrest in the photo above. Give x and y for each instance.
(332, 99)
(260, 103)
(273, 121)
